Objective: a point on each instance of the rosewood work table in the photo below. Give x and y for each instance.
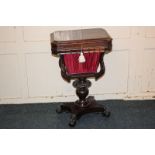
(81, 54)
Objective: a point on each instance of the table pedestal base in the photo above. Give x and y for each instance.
(77, 111)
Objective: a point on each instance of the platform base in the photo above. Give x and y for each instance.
(77, 111)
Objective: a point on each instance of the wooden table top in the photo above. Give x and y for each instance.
(74, 40)
(82, 34)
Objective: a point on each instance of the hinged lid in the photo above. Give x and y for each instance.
(72, 41)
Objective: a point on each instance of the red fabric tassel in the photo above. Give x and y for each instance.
(89, 66)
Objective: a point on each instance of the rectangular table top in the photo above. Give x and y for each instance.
(74, 40)
(82, 34)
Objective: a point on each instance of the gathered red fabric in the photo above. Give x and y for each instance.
(89, 66)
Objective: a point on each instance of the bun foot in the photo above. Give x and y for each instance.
(72, 121)
(59, 109)
(106, 114)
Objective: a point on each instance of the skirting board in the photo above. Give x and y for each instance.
(48, 99)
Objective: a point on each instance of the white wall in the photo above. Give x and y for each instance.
(28, 72)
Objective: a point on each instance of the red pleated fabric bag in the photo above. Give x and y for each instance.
(89, 66)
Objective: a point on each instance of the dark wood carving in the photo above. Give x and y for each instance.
(84, 104)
